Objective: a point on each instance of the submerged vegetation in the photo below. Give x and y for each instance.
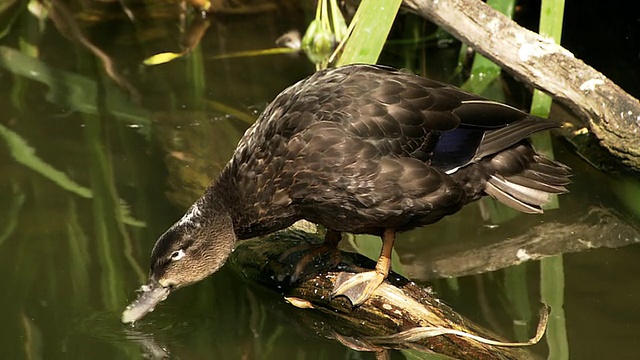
(94, 138)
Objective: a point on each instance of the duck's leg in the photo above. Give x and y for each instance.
(357, 288)
(328, 246)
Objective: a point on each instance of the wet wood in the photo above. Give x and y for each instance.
(612, 114)
(580, 230)
(396, 306)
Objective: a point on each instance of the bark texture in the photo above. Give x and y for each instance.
(612, 114)
(394, 317)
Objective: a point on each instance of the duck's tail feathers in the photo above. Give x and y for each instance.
(496, 140)
(524, 180)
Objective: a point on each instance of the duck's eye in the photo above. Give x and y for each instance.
(177, 255)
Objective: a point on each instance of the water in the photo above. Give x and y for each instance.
(95, 167)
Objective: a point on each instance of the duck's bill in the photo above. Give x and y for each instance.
(150, 295)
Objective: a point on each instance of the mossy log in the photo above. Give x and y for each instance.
(395, 316)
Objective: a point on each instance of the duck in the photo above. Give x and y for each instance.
(360, 149)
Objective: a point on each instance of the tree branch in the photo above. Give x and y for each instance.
(612, 114)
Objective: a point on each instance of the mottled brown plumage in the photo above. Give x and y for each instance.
(360, 149)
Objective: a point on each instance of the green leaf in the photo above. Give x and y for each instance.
(69, 90)
(373, 21)
(26, 155)
(161, 58)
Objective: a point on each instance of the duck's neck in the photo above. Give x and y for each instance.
(221, 197)
(252, 214)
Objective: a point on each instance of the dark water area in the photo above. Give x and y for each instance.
(100, 154)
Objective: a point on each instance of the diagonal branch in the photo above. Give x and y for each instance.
(611, 113)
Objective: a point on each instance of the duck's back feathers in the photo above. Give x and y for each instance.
(361, 148)
(517, 177)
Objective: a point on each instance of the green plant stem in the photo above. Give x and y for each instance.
(483, 71)
(515, 283)
(551, 269)
(374, 19)
(552, 291)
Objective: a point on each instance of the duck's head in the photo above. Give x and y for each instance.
(192, 249)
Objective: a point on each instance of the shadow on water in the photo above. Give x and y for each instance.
(100, 154)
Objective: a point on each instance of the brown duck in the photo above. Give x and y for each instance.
(358, 149)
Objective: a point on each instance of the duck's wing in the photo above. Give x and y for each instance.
(369, 144)
(469, 142)
(406, 115)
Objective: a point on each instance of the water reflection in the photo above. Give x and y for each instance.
(96, 164)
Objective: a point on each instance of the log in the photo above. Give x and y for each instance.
(580, 230)
(612, 114)
(393, 318)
